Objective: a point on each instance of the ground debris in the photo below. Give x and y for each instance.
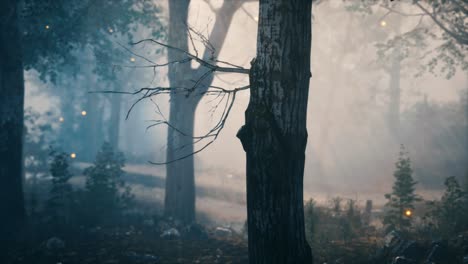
(116, 247)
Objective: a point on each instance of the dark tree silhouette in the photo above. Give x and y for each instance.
(11, 121)
(274, 135)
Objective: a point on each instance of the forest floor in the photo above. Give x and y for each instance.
(131, 247)
(147, 246)
(220, 198)
(220, 203)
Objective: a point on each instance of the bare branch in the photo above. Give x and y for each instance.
(197, 59)
(203, 74)
(191, 40)
(248, 14)
(212, 136)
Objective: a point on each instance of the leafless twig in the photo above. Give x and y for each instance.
(224, 97)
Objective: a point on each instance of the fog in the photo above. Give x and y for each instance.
(351, 149)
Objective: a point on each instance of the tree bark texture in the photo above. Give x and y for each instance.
(274, 135)
(11, 121)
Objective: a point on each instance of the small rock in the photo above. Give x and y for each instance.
(402, 260)
(223, 232)
(171, 233)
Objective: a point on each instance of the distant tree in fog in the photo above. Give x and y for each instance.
(105, 194)
(400, 205)
(59, 203)
(435, 133)
(179, 200)
(446, 26)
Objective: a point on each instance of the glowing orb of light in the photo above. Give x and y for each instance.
(61, 119)
(408, 212)
(73, 155)
(111, 30)
(47, 26)
(83, 113)
(383, 23)
(132, 59)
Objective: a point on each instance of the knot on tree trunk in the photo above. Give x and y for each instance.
(244, 135)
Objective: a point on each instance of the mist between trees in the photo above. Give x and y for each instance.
(167, 84)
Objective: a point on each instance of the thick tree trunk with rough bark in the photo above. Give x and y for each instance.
(275, 135)
(179, 199)
(11, 121)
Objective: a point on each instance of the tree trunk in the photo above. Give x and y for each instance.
(114, 126)
(179, 200)
(395, 94)
(180, 182)
(11, 121)
(275, 135)
(93, 127)
(395, 90)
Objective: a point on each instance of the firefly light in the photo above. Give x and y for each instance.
(132, 59)
(61, 119)
(256, 18)
(111, 30)
(83, 113)
(408, 212)
(73, 155)
(383, 23)
(47, 26)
